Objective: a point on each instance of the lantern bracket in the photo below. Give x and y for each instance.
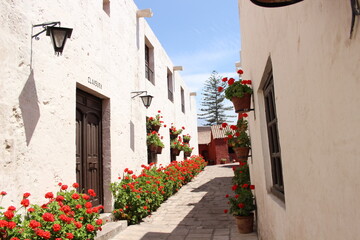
(44, 25)
(137, 93)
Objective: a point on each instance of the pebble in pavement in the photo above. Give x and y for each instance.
(196, 212)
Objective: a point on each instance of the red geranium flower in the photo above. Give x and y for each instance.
(9, 214)
(3, 193)
(75, 196)
(224, 79)
(69, 235)
(75, 185)
(92, 192)
(26, 195)
(25, 202)
(241, 205)
(64, 187)
(224, 125)
(252, 186)
(56, 227)
(220, 89)
(240, 71)
(48, 217)
(50, 194)
(90, 228)
(231, 81)
(225, 211)
(11, 208)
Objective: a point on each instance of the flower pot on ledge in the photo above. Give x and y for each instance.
(242, 104)
(245, 224)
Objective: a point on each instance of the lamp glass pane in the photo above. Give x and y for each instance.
(59, 36)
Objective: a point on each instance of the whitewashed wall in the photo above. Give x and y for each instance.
(316, 78)
(37, 102)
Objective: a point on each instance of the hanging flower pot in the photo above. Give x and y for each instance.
(159, 150)
(242, 152)
(187, 154)
(155, 128)
(245, 224)
(175, 151)
(152, 147)
(242, 103)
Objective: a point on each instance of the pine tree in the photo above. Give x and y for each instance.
(214, 110)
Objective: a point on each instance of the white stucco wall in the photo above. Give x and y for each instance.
(37, 104)
(316, 79)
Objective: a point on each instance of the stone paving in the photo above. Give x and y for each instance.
(196, 212)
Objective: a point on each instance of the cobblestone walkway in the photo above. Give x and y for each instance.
(196, 212)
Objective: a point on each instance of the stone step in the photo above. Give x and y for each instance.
(110, 229)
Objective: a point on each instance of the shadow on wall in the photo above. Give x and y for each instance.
(29, 105)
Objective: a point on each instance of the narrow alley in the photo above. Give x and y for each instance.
(196, 212)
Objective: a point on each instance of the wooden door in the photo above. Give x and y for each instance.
(89, 144)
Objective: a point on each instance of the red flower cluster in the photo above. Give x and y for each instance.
(54, 219)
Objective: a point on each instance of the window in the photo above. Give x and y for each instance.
(273, 136)
(106, 7)
(182, 100)
(149, 62)
(170, 85)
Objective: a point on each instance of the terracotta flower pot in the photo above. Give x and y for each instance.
(242, 104)
(242, 152)
(155, 128)
(158, 150)
(152, 147)
(245, 224)
(187, 154)
(173, 136)
(175, 151)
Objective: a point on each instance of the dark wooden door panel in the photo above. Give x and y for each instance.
(89, 144)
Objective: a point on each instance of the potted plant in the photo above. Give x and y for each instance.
(187, 150)
(238, 137)
(174, 133)
(239, 92)
(223, 160)
(242, 201)
(186, 138)
(153, 123)
(176, 147)
(153, 141)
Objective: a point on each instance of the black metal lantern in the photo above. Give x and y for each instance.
(274, 3)
(146, 100)
(58, 37)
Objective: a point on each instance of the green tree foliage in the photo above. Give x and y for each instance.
(213, 109)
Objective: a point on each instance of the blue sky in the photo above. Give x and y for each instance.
(200, 35)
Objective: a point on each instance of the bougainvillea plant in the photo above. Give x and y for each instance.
(236, 88)
(66, 215)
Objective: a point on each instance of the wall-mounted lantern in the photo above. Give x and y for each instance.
(146, 99)
(274, 3)
(58, 35)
